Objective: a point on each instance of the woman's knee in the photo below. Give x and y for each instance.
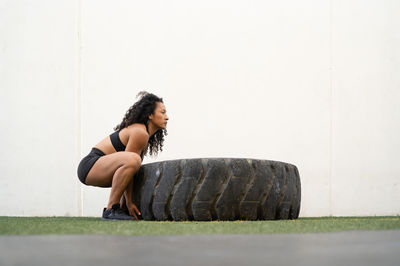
(132, 161)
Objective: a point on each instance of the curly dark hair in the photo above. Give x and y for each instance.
(139, 113)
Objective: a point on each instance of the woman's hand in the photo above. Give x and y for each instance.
(133, 210)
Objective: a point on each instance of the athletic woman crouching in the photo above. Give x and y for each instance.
(114, 161)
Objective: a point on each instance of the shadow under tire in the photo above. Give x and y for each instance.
(223, 189)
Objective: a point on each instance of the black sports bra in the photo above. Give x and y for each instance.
(117, 143)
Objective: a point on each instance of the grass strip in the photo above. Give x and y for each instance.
(89, 225)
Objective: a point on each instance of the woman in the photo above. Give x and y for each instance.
(114, 161)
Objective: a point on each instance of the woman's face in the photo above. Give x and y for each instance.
(159, 118)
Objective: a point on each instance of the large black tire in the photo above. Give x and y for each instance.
(217, 189)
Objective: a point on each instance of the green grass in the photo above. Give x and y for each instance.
(85, 225)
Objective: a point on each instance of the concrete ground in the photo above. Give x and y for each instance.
(344, 248)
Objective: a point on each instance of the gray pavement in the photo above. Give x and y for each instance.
(343, 248)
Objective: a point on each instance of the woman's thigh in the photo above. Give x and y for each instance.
(103, 170)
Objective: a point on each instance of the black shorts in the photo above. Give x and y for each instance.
(87, 163)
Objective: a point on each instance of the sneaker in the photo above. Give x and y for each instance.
(115, 213)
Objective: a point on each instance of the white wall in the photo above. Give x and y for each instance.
(313, 83)
(38, 80)
(366, 113)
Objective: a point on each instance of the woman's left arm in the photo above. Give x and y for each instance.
(128, 194)
(137, 142)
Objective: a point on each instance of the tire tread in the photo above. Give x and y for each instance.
(208, 189)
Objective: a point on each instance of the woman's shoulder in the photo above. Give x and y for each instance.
(136, 130)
